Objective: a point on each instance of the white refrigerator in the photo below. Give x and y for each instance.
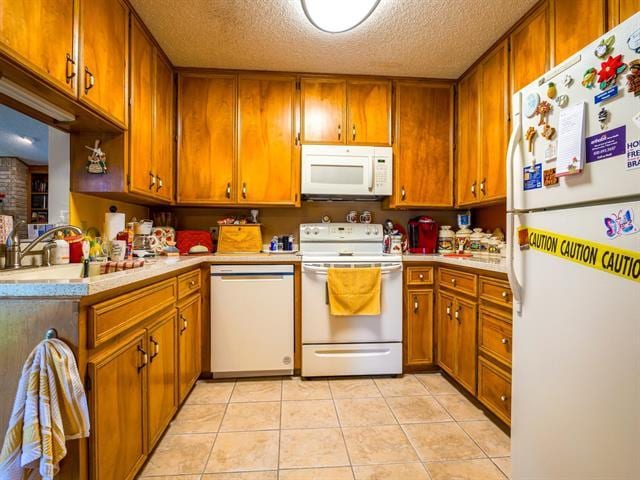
(574, 265)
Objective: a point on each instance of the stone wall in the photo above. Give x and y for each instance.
(14, 177)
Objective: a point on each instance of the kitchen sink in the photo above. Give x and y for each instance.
(73, 271)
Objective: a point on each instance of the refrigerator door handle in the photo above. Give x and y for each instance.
(516, 288)
(514, 142)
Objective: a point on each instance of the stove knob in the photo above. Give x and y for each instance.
(367, 231)
(375, 231)
(316, 231)
(307, 231)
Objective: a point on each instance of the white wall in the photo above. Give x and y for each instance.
(59, 174)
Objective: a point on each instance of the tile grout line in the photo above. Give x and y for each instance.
(226, 406)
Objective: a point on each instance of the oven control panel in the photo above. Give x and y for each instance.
(337, 232)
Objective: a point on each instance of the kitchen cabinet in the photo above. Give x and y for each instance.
(206, 139)
(447, 337)
(418, 317)
(483, 130)
(340, 111)
(620, 10)
(494, 389)
(268, 155)
(103, 66)
(40, 34)
(530, 47)
(163, 368)
(323, 104)
(465, 314)
(423, 147)
(369, 112)
(189, 344)
(575, 23)
(117, 408)
(151, 119)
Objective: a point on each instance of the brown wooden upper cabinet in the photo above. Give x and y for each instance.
(206, 139)
(104, 46)
(40, 34)
(620, 10)
(530, 47)
(151, 119)
(483, 111)
(423, 148)
(345, 111)
(576, 23)
(268, 155)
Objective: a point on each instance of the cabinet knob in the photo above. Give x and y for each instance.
(421, 276)
(416, 305)
(244, 190)
(505, 294)
(473, 189)
(192, 283)
(483, 186)
(70, 70)
(353, 132)
(503, 398)
(89, 80)
(504, 341)
(339, 132)
(453, 282)
(403, 193)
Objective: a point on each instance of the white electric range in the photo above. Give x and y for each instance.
(348, 345)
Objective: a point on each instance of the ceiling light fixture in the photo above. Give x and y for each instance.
(337, 16)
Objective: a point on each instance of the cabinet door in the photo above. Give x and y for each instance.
(530, 49)
(117, 409)
(369, 112)
(323, 103)
(268, 161)
(419, 328)
(40, 34)
(466, 352)
(163, 368)
(447, 333)
(423, 148)
(143, 178)
(576, 23)
(104, 47)
(189, 346)
(494, 114)
(206, 152)
(162, 146)
(620, 10)
(468, 138)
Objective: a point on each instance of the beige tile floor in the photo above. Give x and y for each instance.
(415, 427)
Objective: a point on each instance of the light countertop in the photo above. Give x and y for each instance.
(80, 287)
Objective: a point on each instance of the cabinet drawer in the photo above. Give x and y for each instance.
(419, 276)
(188, 283)
(494, 389)
(459, 281)
(112, 317)
(495, 336)
(495, 291)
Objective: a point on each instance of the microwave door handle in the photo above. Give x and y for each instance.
(371, 170)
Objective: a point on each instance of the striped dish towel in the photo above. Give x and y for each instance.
(50, 407)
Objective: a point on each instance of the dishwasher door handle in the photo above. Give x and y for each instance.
(249, 278)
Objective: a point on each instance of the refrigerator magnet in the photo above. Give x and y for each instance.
(548, 132)
(543, 109)
(609, 71)
(549, 177)
(523, 238)
(562, 100)
(567, 81)
(633, 42)
(606, 144)
(552, 91)
(530, 104)
(620, 223)
(603, 118)
(605, 47)
(530, 136)
(636, 119)
(633, 154)
(633, 78)
(606, 95)
(532, 177)
(550, 153)
(589, 78)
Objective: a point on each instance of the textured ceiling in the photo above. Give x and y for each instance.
(13, 126)
(421, 38)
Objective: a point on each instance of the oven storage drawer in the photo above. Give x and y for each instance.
(351, 359)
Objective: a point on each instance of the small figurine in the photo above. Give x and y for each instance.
(543, 109)
(552, 91)
(603, 118)
(589, 78)
(97, 161)
(530, 135)
(548, 131)
(605, 47)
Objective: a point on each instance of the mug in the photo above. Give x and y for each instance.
(352, 217)
(365, 216)
(395, 246)
(116, 250)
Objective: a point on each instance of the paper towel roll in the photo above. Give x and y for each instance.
(113, 223)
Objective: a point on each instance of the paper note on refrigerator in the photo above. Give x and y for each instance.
(571, 148)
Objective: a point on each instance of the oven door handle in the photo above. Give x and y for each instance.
(325, 270)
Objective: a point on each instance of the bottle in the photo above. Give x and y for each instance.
(60, 251)
(273, 246)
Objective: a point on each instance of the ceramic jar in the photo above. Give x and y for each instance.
(463, 235)
(493, 247)
(484, 244)
(446, 239)
(475, 241)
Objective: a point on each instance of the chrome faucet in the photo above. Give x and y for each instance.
(13, 254)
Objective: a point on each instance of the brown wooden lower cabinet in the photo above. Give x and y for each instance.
(494, 389)
(419, 328)
(189, 333)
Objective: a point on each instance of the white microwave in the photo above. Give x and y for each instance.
(337, 171)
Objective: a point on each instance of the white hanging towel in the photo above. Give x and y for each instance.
(50, 407)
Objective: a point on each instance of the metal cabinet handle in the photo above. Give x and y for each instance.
(503, 398)
(473, 189)
(145, 358)
(354, 132)
(152, 180)
(403, 193)
(453, 282)
(70, 70)
(159, 185)
(297, 139)
(155, 349)
(244, 190)
(185, 324)
(89, 80)
(457, 314)
(505, 294)
(504, 341)
(449, 310)
(416, 305)
(483, 185)
(339, 132)
(421, 276)
(228, 191)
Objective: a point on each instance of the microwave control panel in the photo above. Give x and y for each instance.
(382, 176)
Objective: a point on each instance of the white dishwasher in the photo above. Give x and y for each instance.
(251, 320)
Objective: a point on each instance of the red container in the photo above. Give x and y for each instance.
(423, 235)
(75, 252)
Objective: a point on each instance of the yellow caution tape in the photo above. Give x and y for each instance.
(616, 261)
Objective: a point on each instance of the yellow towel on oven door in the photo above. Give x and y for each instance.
(354, 291)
